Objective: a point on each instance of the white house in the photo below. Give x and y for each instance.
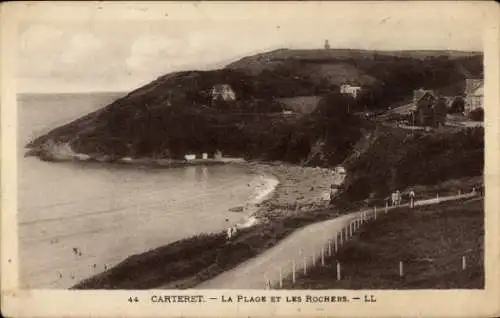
(218, 155)
(350, 89)
(222, 92)
(474, 94)
(189, 157)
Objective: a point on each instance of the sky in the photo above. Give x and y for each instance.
(97, 49)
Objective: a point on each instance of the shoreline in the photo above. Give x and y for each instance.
(299, 189)
(287, 189)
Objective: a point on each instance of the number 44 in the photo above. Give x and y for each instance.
(133, 299)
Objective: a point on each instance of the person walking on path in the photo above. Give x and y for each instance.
(412, 198)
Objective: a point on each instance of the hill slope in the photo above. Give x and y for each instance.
(174, 114)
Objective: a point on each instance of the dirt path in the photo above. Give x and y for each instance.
(300, 245)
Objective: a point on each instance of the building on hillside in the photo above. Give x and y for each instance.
(189, 157)
(428, 109)
(474, 94)
(204, 155)
(217, 154)
(223, 92)
(349, 88)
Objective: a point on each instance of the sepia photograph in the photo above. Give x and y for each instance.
(294, 148)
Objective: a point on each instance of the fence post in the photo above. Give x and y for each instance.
(336, 244)
(322, 256)
(281, 278)
(266, 282)
(313, 257)
(346, 235)
(305, 266)
(386, 206)
(293, 272)
(464, 263)
(437, 197)
(375, 212)
(401, 269)
(329, 248)
(341, 236)
(338, 271)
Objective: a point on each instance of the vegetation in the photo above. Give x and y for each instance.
(457, 106)
(429, 240)
(477, 114)
(188, 262)
(396, 158)
(175, 114)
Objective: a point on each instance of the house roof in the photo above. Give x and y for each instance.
(419, 94)
(353, 83)
(478, 91)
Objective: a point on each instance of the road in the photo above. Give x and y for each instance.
(303, 244)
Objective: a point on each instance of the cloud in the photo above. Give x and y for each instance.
(39, 49)
(82, 46)
(153, 51)
(39, 37)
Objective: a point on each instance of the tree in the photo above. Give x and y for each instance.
(457, 106)
(477, 114)
(440, 111)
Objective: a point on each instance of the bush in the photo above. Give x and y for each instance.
(398, 159)
(477, 114)
(458, 106)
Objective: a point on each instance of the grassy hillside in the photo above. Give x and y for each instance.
(174, 114)
(388, 76)
(429, 240)
(395, 159)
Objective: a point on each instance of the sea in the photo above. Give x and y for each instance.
(76, 220)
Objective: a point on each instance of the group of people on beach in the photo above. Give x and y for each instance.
(231, 231)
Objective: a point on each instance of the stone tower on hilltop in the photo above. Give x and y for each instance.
(327, 45)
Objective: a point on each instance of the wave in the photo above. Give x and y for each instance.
(265, 187)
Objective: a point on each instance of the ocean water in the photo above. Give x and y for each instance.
(77, 219)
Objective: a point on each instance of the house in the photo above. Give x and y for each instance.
(350, 89)
(428, 108)
(189, 157)
(204, 155)
(223, 92)
(218, 155)
(474, 94)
